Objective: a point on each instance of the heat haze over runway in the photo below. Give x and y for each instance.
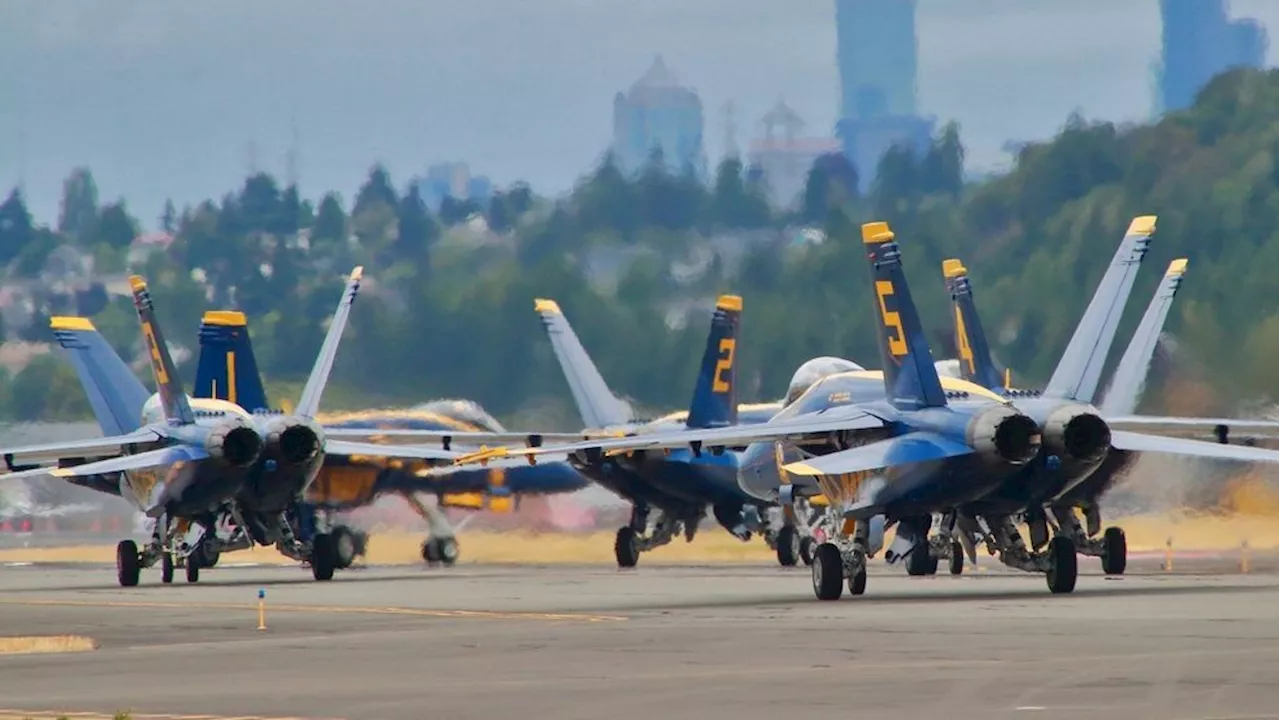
(699, 642)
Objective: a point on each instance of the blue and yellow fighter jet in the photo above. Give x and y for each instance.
(1117, 409)
(680, 485)
(227, 370)
(907, 449)
(192, 464)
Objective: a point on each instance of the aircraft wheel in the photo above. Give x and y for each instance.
(344, 543)
(1061, 576)
(933, 566)
(448, 548)
(194, 561)
(828, 572)
(919, 560)
(788, 546)
(807, 544)
(957, 558)
(1115, 551)
(128, 564)
(166, 567)
(209, 552)
(858, 583)
(323, 556)
(624, 547)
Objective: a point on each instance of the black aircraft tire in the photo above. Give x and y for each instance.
(807, 544)
(166, 567)
(957, 558)
(430, 552)
(448, 549)
(128, 564)
(828, 572)
(624, 547)
(323, 557)
(193, 567)
(933, 566)
(919, 560)
(858, 583)
(1061, 576)
(788, 546)
(344, 543)
(1115, 551)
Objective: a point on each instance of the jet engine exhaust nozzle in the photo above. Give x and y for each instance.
(294, 441)
(1078, 433)
(235, 444)
(1006, 434)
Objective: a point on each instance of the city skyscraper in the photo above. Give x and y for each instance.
(1198, 42)
(658, 112)
(876, 55)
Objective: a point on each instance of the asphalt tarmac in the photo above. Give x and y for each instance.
(655, 642)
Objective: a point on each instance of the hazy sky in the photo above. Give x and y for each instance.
(164, 98)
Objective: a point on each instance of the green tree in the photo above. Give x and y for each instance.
(79, 209)
(15, 226)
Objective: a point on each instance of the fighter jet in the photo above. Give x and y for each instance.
(1061, 498)
(227, 370)
(678, 485)
(912, 449)
(193, 464)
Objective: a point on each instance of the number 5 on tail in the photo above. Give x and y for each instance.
(897, 341)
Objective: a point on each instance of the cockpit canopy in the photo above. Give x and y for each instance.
(813, 371)
(464, 410)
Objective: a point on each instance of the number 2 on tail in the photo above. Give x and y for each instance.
(897, 341)
(720, 382)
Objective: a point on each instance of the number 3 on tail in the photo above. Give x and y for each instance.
(720, 382)
(897, 341)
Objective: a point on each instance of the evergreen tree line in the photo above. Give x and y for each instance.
(635, 263)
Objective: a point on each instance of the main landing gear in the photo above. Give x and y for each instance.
(441, 545)
(188, 549)
(1057, 561)
(630, 541)
(839, 560)
(1111, 547)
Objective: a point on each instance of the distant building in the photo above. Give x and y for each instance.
(1198, 42)
(784, 156)
(876, 53)
(657, 112)
(452, 179)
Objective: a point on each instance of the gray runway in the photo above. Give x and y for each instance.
(595, 642)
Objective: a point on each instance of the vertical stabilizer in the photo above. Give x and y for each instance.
(597, 405)
(1080, 368)
(115, 393)
(1130, 376)
(227, 369)
(910, 377)
(972, 349)
(173, 401)
(715, 396)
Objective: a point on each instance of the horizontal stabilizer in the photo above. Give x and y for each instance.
(912, 448)
(407, 452)
(1138, 442)
(1160, 425)
(464, 438)
(841, 418)
(152, 458)
(83, 448)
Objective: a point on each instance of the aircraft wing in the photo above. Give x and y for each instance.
(407, 452)
(171, 455)
(83, 448)
(1139, 442)
(447, 438)
(849, 417)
